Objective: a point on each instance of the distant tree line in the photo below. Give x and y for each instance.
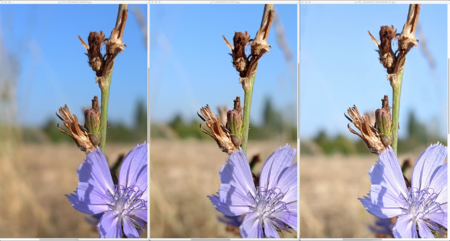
(272, 126)
(418, 135)
(117, 131)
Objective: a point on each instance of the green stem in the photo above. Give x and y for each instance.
(104, 109)
(247, 107)
(249, 91)
(396, 91)
(105, 90)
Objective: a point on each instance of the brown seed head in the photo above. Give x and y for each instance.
(76, 131)
(259, 44)
(240, 60)
(95, 41)
(386, 54)
(370, 135)
(217, 131)
(114, 44)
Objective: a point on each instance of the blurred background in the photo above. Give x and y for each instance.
(42, 68)
(339, 69)
(190, 68)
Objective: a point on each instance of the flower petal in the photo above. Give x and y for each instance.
(379, 211)
(439, 217)
(251, 227)
(134, 167)
(269, 229)
(439, 183)
(227, 208)
(385, 198)
(236, 172)
(95, 171)
(128, 228)
(275, 166)
(423, 230)
(430, 159)
(89, 200)
(387, 173)
(404, 228)
(288, 184)
(139, 213)
(109, 226)
(288, 216)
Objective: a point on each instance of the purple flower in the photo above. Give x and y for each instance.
(419, 208)
(124, 204)
(272, 205)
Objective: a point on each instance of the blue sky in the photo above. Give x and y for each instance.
(53, 68)
(190, 65)
(339, 66)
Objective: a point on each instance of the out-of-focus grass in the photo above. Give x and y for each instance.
(183, 174)
(329, 190)
(34, 180)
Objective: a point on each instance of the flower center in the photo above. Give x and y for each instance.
(126, 199)
(422, 202)
(268, 201)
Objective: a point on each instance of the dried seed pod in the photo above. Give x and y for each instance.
(92, 122)
(383, 117)
(370, 135)
(386, 54)
(240, 60)
(96, 59)
(259, 44)
(217, 131)
(76, 131)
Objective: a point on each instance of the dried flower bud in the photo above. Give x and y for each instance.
(240, 60)
(76, 131)
(114, 44)
(217, 131)
(370, 135)
(259, 44)
(407, 40)
(383, 121)
(96, 60)
(387, 56)
(234, 118)
(383, 116)
(92, 122)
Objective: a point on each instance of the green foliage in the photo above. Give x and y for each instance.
(186, 130)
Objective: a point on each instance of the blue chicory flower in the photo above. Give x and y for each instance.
(124, 204)
(271, 205)
(419, 208)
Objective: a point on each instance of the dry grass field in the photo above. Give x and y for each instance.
(329, 190)
(182, 175)
(34, 180)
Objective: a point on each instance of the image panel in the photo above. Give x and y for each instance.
(208, 63)
(373, 99)
(82, 172)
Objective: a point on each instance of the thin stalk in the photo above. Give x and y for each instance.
(396, 91)
(249, 91)
(104, 109)
(247, 106)
(105, 89)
